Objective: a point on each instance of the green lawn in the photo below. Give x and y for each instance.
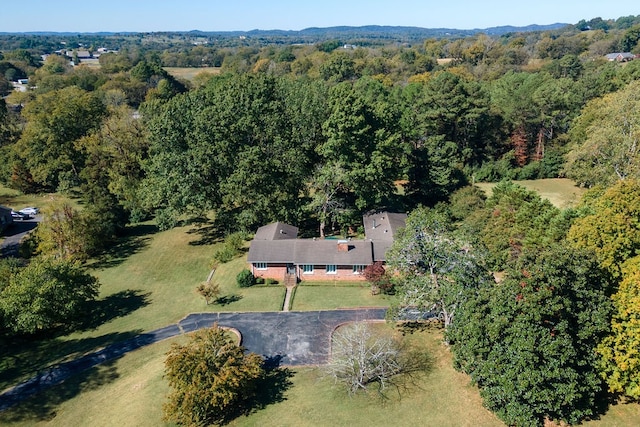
(257, 298)
(130, 391)
(16, 200)
(189, 73)
(332, 295)
(561, 192)
(126, 392)
(148, 281)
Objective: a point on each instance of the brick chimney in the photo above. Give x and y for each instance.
(343, 246)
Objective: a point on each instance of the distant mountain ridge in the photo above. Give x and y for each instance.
(375, 31)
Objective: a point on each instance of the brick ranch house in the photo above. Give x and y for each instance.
(277, 253)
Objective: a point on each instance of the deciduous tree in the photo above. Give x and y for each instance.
(605, 139)
(620, 351)
(45, 294)
(361, 359)
(529, 341)
(211, 378)
(55, 121)
(209, 291)
(434, 270)
(611, 227)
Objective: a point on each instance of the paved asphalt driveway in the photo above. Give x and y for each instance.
(14, 234)
(287, 338)
(293, 338)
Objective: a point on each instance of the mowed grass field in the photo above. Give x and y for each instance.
(190, 73)
(561, 192)
(148, 281)
(335, 295)
(17, 200)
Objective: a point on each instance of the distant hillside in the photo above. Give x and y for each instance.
(397, 33)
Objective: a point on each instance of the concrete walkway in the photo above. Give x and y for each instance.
(287, 298)
(293, 338)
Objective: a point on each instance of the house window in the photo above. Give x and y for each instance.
(331, 269)
(307, 268)
(260, 265)
(358, 269)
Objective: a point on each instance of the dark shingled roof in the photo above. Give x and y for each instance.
(276, 231)
(274, 251)
(308, 251)
(383, 225)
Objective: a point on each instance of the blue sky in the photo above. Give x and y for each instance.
(225, 15)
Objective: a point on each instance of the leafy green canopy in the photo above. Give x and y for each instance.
(55, 122)
(611, 226)
(620, 351)
(45, 294)
(435, 271)
(529, 341)
(605, 139)
(513, 219)
(234, 147)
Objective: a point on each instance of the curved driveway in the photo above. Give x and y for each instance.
(286, 338)
(14, 234)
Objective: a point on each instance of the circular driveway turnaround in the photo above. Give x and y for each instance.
(292, 338)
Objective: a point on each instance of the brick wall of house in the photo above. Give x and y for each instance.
(273, 271)
(344, 273)
(278, 271)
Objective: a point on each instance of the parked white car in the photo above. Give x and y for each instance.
(31, 211)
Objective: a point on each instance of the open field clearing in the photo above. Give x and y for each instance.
(561, 192)
(17, 200)
(188, 73)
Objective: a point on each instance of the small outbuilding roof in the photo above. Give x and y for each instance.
(383, 226)
(620, 55)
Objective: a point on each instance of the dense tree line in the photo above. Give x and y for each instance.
(290, 131)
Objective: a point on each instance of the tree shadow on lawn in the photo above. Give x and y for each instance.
(411, 327)
(114, 306)
(43, 405)
(208, 231)
(23, 357)
(271, 388)
(135, 239)
(227, 299)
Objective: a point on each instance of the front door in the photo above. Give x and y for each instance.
(291, 269)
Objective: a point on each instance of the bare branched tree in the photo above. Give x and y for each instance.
(361, 359)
